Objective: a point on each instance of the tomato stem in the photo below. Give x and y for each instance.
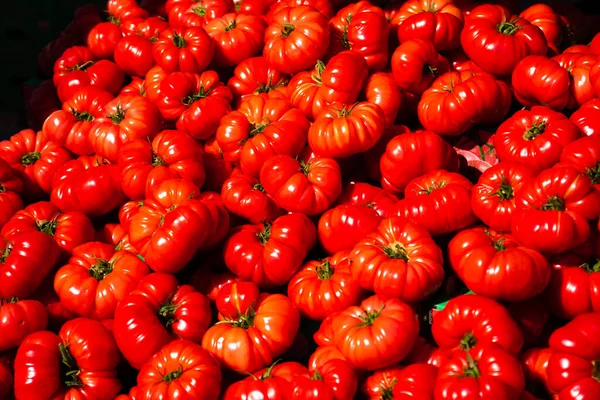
(171, 376)
(468, 341)
(428, 69)
(83, 66)
(591, 266)
(243, 321)
(5, 253)
(317, 76)
(594, 173)
(508, 28)
(8, 300)
(305, 167)
(324, 270)
(264, 235)
(535, 131)
(258, 128)
(157, 161)
(369, 318)
(505, 190)
(266, 88)
(118, 116)
(231, 26)
(554, 204)
(31, 158)
(179, 40)
(202, 93)
(200, 10)
(287, 29)
(166, 313)
(2, 188)
(259, 187)
(267, 374)
(387, 391)
(317, 376)
(498, 244)
(101, 269)
(344, 37)
(396, 252)
(72, 370)
(47, 227)
(114, 20)
(82, 116)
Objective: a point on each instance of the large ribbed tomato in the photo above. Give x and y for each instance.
(185, 50)
(415, 64)
(539, 80)
(246, 197)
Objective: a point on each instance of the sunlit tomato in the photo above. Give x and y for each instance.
(324, 287)
(10, 189)
(587, 117)
(185, 50)
(18, 319)
(158, 311)
(539, 80)
(376, 334)
(255, 76)
(415, 65)
(322, 355)
(133, 54)
(578, 65)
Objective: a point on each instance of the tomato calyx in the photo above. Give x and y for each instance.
(396, 252)
(5, 253)
(118, 116)
(316, 376)
(591, 266)
(244, 321)
(179, 41)
(433, 186)
(174, 375)
(287, 29)
(47, 227)
(2, 188)
(554, 203)
(82, 116)
(509, 27)
(505, 190)
(8, 300)
(30, 158)
(113, 20)
(317, 77)
(259, 187)
(166, 313)
(344, 37)
(102, 268)
(264, 235)
(387, 392)
(200, 10)
(258, 128)
(594, 173)
(498, 244)
(269, 86)
(305, 167)
(468, 342)
(428, 69)
(268, 372)
(157, 161)
(471, 371)
(344, 112)
(232, 24)
(83, 67)
(534, 131)
(69, 367)
(369, 318)
(324, 270)
(202, 93)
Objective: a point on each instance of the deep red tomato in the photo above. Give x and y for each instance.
(381, 89)
(333, 380)
(255, 76)
(237, 37)
(296, 38)
(554, 209)
(322, 355)
(137, 87)
(158, 311)
(96, 277)
(269, 254)
(309, 188)
(89, 184)
(70, 126)
(547, 132)
(539, 80)
(188, 13)
(325, 7)
(399, 259)
(103, 38)
(235, 299)
(584, 154)
(181, 369)
(324, 287)
(578, 66)
(127, 211)
(496, 40)
(365, 195)
(486, 373)
(218, 170)
(81, 362)
(69, 229)
(34, 159)
(470, 321)
(435, 197)
(469, 96)
(185, 50)
(341, 130)
(381, 383)
(26, 258)
(545, 18)
(587, 117)
(361, 27)
(572, 370)
(18, 319)
(414, 381)
(493, 196)
(10, 189)
(413, 154)
(259, 129)
(438, 21)
(246, 197)
(133, 54)
(125, 119)
(273, 383)
(415, 65)
(253, 340)
(172, 154)
(363, 333)
(535, 365)
(172, 225)
(487, 261)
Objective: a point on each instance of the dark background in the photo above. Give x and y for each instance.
(28, 25)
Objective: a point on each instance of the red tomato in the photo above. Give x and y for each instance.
(578, 66)
(535, 364)
(584, 154)
(545, 18)
(324, 287)
(539, 80)
(256, 338)
(259, 129)
(34, 159)
(296, 38)
(269, 254)
(10, 189)
(71, 126)
(323, 6)
(322, 355)
(126, 118)
(414, 381)
(341, 131)
(587, 117)
(181, 369)
(547, 132)
(308, 188)
(171, 225)
(554, 209)
(334, 380)
(172, 154)
(185, 50)
(103, 38)
(26, 258)
(188, 13)
(133, 54)
(486, 373)
(415, 65)
(439, 201)
(399, 259)
(470, 321)
(361, 27)
(381, 89)
(572, 371)
(236, 299)
(273, 383)
(493, 197)
(246, 197)
(255, 76)
(219, 224)
(18, 319)
(158, 311)
(496, 40)
(69, 229)
(153, 79)
(81, 362)
(363, 334)
(216, 167)
(364, 195)
(89, 184)
(469, 96)
(413, 154)
(137, 87)
(487, 261)
(237, 37)
(96, 278)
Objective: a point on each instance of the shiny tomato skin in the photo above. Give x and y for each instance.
(539, 80)
(435, 197)
(544, 17)
(486, 261)
(578, 65)
(586, 118)
(413, 381)
(188, 13)
(584, 155)
(20, 318)
(96, 277)
(366, 195)
(535, 365)
(341, 227)
(255, 76)
(493, 196)
(236, 298)
(273, 383)
(133, 54)
(103, 38)
(218, 170)
(380, 89)
(246, 197)
(152, 80)
(185, 50)
(158, 311)
(368, 345)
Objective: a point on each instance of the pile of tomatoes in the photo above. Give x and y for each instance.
(306, 199)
